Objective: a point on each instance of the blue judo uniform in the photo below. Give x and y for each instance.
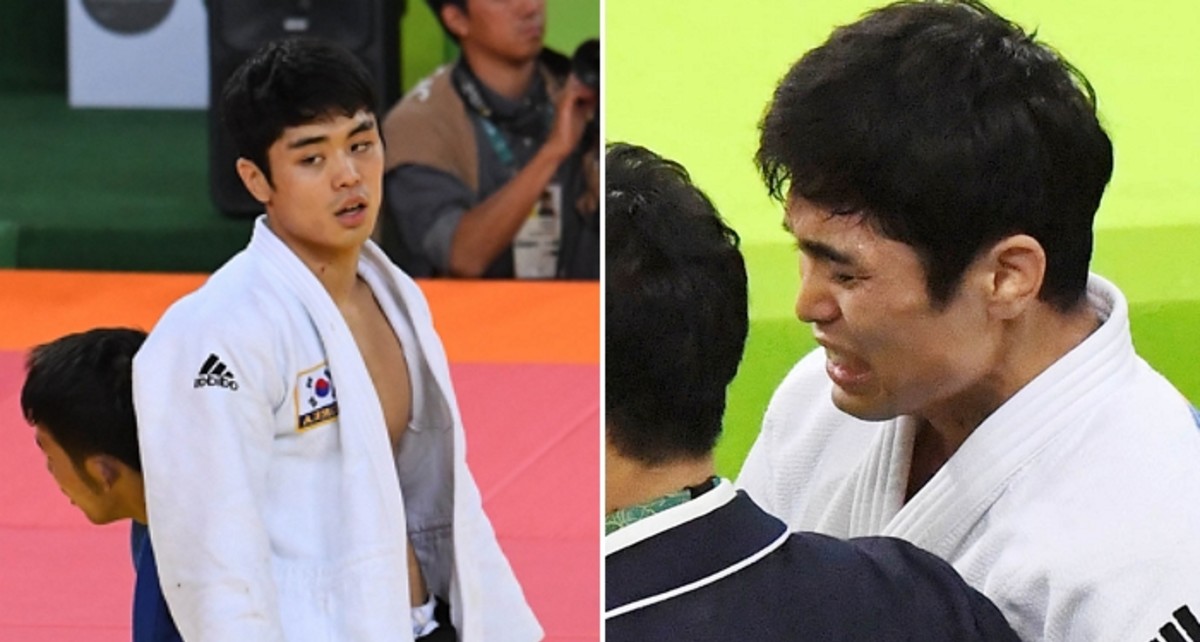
(151, 620)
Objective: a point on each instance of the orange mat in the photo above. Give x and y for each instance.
(484, 321)
(524, 360)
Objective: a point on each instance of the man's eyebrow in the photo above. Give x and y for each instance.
(307, 140)
(819, 250)
(365, 124)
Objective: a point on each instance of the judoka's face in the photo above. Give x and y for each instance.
(889, 351)
(85, 491)
(326, 182)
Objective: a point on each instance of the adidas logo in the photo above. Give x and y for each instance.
(1186, 621)
(214, 373)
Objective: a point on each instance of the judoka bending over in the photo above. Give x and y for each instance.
(976, 391)
(686, 556)
(301, 442)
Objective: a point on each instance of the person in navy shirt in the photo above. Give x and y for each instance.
(688, 556)
(78, 397)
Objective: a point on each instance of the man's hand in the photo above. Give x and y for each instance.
(576, 106)
(487, 229)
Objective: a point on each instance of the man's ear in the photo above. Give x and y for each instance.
(255, 181)
(1017, 266)
(455, 20)
(104, 469)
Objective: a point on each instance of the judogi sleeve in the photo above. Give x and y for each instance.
(1126, 595)
(506, 614)
(794, 443)
(204, 409)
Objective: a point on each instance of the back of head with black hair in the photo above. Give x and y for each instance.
(675, 303)
(79, 388)
(291, 82)
(436, 7)
(948, 128)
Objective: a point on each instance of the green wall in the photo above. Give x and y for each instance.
(691, 79)
(33, 49)
(33, 40)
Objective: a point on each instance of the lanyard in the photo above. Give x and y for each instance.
(499, 145)
(465, 83)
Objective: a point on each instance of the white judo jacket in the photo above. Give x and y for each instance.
(1075, 506)
(275, 504)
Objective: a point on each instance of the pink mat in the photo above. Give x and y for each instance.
(533, 445)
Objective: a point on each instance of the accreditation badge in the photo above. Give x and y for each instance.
(535, 248)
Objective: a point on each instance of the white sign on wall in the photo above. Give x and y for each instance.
(137, 53)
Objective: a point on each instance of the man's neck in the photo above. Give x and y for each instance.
(505, 77)
(1029, 346)
(339, 276)
(337, 270)
(628, 482)
(135, 502)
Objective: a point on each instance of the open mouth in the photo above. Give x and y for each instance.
(845, 370)
(353, 208)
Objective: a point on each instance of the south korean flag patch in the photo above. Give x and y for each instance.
(316, 401)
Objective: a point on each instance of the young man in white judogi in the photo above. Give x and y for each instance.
(302, 447)
(976, 390)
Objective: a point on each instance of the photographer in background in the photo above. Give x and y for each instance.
(489, 171)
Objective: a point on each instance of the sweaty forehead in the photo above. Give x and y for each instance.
(849, 239)
(803, 217)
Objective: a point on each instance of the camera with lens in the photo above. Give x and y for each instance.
(585, 64)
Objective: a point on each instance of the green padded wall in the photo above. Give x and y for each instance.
(33, 45)
(691, 79)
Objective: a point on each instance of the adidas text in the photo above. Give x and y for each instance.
(214, 373)
(223, 381)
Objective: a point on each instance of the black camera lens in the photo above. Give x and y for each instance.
(585, 63)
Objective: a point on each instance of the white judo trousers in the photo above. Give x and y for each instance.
(276, 506)
(1075, 506)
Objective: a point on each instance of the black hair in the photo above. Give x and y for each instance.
(947, 128)
(675, 305)
(436, 7)
(79, 389)
(291, 82)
